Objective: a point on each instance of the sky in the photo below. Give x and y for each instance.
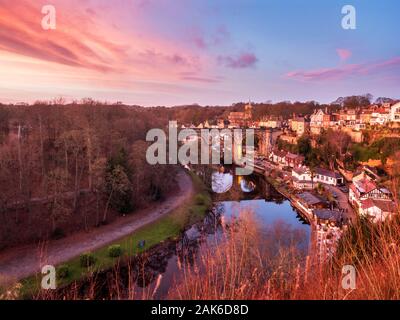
(209, 52)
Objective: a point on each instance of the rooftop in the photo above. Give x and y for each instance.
(310, 199)
(327, 173)
(326, 214)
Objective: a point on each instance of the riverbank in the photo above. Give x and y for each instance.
(166, 222)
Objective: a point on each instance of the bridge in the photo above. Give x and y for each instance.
(265, 138)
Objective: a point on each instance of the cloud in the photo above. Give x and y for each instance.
(202, 40)
(344, 54)
(345, 71)
(70, 44)
(244, 60)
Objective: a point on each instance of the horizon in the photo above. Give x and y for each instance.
(175, 53)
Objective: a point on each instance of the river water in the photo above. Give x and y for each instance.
(233, 196)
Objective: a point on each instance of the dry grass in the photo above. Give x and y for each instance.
(239, 269)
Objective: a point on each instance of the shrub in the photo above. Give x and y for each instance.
(63, 271)
(115, 251)
(87, 260)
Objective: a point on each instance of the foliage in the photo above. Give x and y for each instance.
(115, 251)
(87, 260)
(63, 271)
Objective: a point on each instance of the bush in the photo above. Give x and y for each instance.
(87, 260)
(200, 200)
(63, 271)
(115, 251)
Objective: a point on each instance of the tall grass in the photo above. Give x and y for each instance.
(243, 268)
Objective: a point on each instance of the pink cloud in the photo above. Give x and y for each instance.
(244, 60)
(345, 71)
(344, 54)
(202, 40)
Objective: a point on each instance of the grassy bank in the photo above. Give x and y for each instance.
(169, 226)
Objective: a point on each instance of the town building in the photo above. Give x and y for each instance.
(395, 113)
(241, 119)
(377, 210)
(286, 159)
(302, 178)
(364, 189)
(299, 125)
(328, 217)
(319, 120)
(380, 116)
(328, 177)
(294, 160)
(278, 157)
(273, 123)
(309, 202)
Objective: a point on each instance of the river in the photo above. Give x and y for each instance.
(276, 220)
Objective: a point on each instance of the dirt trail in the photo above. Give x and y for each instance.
(20, 262)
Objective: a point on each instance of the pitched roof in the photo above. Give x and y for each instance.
(328, 173)
(326, 214)
(383, 205)
(309, 198)
(294, 156)
(301, 170)
(364, 185)
(280, 153)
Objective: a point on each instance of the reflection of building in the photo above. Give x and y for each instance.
(241, 119)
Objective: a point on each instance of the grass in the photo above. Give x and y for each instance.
(169, 226)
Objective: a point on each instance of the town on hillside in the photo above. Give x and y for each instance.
(311, 159)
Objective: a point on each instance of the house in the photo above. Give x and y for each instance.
(365, 117)
(378, 210)
(395, 113)
(294, 160)
(273, 123)
(363, 188)
(328, 177)
(241, 119)
(302, 178)
(309, 202)
(328, 217)
(380, 116)
(299, 125)
(319, 120)
(278, 157)
(348, 117)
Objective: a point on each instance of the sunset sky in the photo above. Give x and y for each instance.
(173, 52)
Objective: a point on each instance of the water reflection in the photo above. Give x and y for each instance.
(221, 182)
(276, 221)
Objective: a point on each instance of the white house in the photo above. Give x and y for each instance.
(395, 113)
(379, 117)
(378, 210)
(302, 178)
(328, 177)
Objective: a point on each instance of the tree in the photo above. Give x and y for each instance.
(57, 206)
(119, 191)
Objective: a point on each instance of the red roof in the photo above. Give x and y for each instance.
(365, 185)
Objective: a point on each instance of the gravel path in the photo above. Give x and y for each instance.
(20, 262)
